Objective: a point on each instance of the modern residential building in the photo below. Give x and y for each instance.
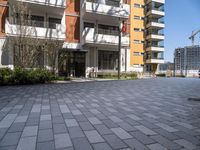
(147, 36)
(88, 31)
(187, 60)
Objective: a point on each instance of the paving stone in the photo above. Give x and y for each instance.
(126, 126)
(110, 124)
(102, 129)
(75, 132)
(142, 137)
(59, 128)
(156, 147)
(8, 148)
(71, 122)
(10, 139)
(16, 127)
(81, 144)
(166, 127)
(121, 133)
(21, 119)
(145, 130)
(8, 120)
(187, 137)
(93, 136)
(185, 144)
(62, 140)
(114, 141)
(2, 132)
(165, 142)
(45, 135)
(115, 119)
(135, 144)
(30, 131)
(101, 146)
(58, 120)
(46, 146)
(168, 135)
(94, 120)
(86, 126)
(27, 143)
(45, 117)
(45, 125)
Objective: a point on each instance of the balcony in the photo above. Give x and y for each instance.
(53, 3)
(35, 29)
(155, 36)
(155, 61)
(155, 9)
(155, 23)
(93, 9)
(157, 1)
(110, 39)
(155, 48)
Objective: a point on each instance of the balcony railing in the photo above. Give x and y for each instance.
(155, 20)
(33, 23)
(106, 2)
(108, 32)
(56, 3)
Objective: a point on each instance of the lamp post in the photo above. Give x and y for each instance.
(121, 30)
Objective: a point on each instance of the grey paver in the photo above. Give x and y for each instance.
(121, 133)
(71, 122)
(121, 115)
(30, 131)
(62, 140)
(45, 135)
(27, 143)
(145, 130)
(82, 144)
(101, 146)
(156, 147)
(93, 136)
(114, 141)
(185, 144)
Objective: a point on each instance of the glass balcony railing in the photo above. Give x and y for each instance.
(106, 2)
(33, 23)
(155, 20)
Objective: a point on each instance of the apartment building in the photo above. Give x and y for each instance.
(147, 35)
(87, 29)
(33, 22)
(187, 60)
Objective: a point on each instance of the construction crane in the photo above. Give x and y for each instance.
(192, 37)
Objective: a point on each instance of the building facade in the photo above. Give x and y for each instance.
(187, 60)
(147, 35)
(88, 31)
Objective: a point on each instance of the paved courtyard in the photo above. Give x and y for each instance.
(151, 114)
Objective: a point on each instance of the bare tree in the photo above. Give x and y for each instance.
(27, 49)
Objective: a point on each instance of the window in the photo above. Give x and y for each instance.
(107, 60)
(138, 30)
(138, 42)
(136, 53)
(138, 18)
(53, 22)
(137, 5)
(88, 25)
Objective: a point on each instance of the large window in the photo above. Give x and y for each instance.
(107, 60)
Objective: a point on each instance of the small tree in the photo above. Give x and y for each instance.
(27, 50)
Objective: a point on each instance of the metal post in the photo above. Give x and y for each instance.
(119, 51)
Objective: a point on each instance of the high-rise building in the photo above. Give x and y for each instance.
(187, 60)
(89, 33)
(147, 36)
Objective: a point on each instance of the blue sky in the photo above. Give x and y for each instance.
(182, 17)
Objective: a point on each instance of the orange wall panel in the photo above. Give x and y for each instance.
(3, 13)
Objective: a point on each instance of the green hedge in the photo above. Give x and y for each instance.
(161, 75)
(24, 76)
(113, 75)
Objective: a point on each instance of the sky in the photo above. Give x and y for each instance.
(181, 18)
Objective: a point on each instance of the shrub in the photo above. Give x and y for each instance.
(161, 75)
(24, 76)
(5, 76)
(111, 75)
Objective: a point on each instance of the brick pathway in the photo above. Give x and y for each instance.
(152, 114)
